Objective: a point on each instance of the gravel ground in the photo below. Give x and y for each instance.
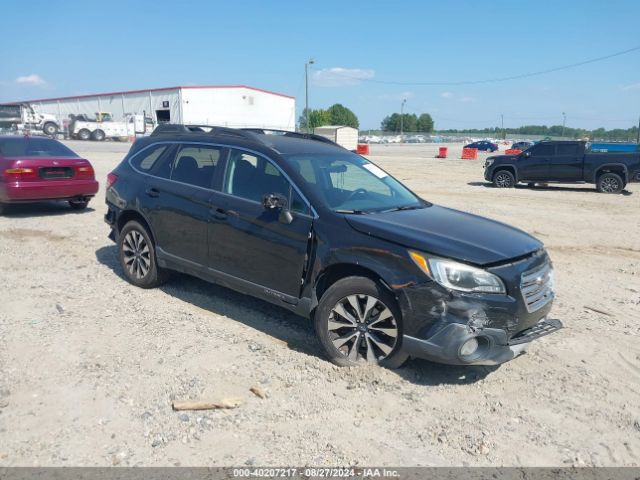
(89, 364)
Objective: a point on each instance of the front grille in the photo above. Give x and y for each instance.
(47, 173)
(537, 287)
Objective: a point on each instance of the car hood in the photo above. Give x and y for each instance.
(448, 233)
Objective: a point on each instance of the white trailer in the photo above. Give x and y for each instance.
(346, 137)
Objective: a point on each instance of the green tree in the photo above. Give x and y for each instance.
(425, 123)
(341, 115)
(317, 118)
(392, 123)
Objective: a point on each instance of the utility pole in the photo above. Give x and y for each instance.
(502, 125)
(564, 121)
(306, 91)
(402, 116)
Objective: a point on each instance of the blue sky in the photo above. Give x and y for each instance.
(69, 48)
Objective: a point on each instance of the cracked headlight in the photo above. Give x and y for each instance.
(458, 276)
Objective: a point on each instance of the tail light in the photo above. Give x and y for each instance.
(85, 171)
(111, 179)
(19, 173)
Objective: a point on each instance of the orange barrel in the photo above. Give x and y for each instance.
(363, 149)
(469, 154)
(442, 152)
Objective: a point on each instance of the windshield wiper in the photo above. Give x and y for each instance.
(403, 207)
(353, 212)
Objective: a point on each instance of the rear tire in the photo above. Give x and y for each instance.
(358, 322)
(84, 134)
(78, 204)
(504, 179)
(610, 183)
(98, 135)
(137, 254)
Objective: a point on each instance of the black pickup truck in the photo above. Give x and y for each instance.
(564, 162)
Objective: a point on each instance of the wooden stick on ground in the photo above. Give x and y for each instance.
(598, 311)
(204, 405)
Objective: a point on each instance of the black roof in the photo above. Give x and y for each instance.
(280, 141)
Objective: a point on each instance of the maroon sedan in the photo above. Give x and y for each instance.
(33, 169)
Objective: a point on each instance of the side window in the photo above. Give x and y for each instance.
(148, 159)
(569, 149)
(542, 151)
(251, 177)
(196, 165)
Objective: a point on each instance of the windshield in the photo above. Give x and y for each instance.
(348, 183)
(33, 147)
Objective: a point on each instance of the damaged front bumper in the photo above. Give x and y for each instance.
(461, 328)
(459, 344)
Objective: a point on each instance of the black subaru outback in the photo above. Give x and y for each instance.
(298, 221)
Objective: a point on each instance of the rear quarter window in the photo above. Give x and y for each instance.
(148, 158)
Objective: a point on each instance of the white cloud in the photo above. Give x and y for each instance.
(633, 86)
(33, 80)
(341, 77)
(446, 95)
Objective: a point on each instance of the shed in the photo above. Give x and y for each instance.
(342, 135)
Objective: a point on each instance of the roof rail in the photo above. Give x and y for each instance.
(287, 133)
(177, 128)
(246, 133)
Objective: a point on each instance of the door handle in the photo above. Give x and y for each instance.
(219, 213)
(152, 192)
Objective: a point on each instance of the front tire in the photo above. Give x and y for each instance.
(357, 321)
(50, 129)
(504, 179)
(137, 255)
(610, 183)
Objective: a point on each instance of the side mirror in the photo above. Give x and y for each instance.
(526, 154)
(277, 201)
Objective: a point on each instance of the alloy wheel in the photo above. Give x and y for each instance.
(609, 185)
(503, 180)
(136, 254)
(362, 327)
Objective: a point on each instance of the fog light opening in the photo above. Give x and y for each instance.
(469, 347)
(474, 348)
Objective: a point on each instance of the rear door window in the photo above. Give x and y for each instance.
(196, 165)
(543, 151)
(570, 149)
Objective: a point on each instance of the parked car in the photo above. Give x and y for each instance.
(483, 145)
(298, 221)
(33, 169)
(564, 162)
(522, 146)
